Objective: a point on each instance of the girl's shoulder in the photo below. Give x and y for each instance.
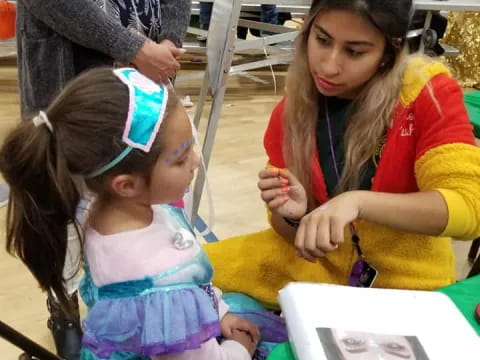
(419, 72)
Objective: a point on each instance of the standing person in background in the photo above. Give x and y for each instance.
(57, 40)
(268, 14)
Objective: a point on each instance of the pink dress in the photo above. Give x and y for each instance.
(149, 293)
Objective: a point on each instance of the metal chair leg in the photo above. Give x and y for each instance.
(472, 254)
(475, 258)
(475, 269)
(32, 349)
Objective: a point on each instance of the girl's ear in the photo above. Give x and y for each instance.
(127, 186)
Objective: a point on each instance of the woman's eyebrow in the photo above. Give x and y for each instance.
(352, 42)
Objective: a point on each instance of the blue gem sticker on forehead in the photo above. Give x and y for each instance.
(147, 104)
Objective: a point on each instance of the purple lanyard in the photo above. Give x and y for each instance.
(353, 231)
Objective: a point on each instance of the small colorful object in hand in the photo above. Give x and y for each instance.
(7, 20)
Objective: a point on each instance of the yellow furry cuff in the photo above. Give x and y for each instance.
(454, 170)
(460, 216)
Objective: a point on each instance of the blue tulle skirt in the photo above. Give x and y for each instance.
(168, 320)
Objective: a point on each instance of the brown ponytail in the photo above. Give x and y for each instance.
(42, 203)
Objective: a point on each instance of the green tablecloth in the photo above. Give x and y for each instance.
(472, 102)
(465, 294)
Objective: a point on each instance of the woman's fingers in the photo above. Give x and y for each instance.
(270, 179)
(318, 235)
(269, 195)
(337, 228)
(277, 202)
(270, 183)
(287, 175)
(301, 242)
(317, 229)
(268, 172)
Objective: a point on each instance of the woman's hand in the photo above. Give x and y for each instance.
(322, 230)
(282, 192)
(158, 61)
(176, 52)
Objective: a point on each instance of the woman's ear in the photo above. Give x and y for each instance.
(127, 186)
(389, 57)
(386, 59)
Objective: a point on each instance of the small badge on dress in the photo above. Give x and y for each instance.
(183, 239)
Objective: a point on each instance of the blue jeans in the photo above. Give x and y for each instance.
(205, 14)
(268, 14)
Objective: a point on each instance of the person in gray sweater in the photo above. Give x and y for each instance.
(58, 39)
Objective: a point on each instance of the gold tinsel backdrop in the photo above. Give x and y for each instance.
(463, 33)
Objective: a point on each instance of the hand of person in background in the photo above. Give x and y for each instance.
(176, 52)
(158, 61)
(283, 193)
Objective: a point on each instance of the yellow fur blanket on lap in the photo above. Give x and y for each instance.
(260, 264)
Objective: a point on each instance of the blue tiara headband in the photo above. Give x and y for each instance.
(146, 110)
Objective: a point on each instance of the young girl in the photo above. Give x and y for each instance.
(148, 282)
(375, 166)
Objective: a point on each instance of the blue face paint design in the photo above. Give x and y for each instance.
(177, 152)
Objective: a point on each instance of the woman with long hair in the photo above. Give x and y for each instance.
(372, 163)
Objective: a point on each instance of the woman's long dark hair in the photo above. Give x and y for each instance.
(41, 167)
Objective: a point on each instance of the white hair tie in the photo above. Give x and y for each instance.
(42, 119)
